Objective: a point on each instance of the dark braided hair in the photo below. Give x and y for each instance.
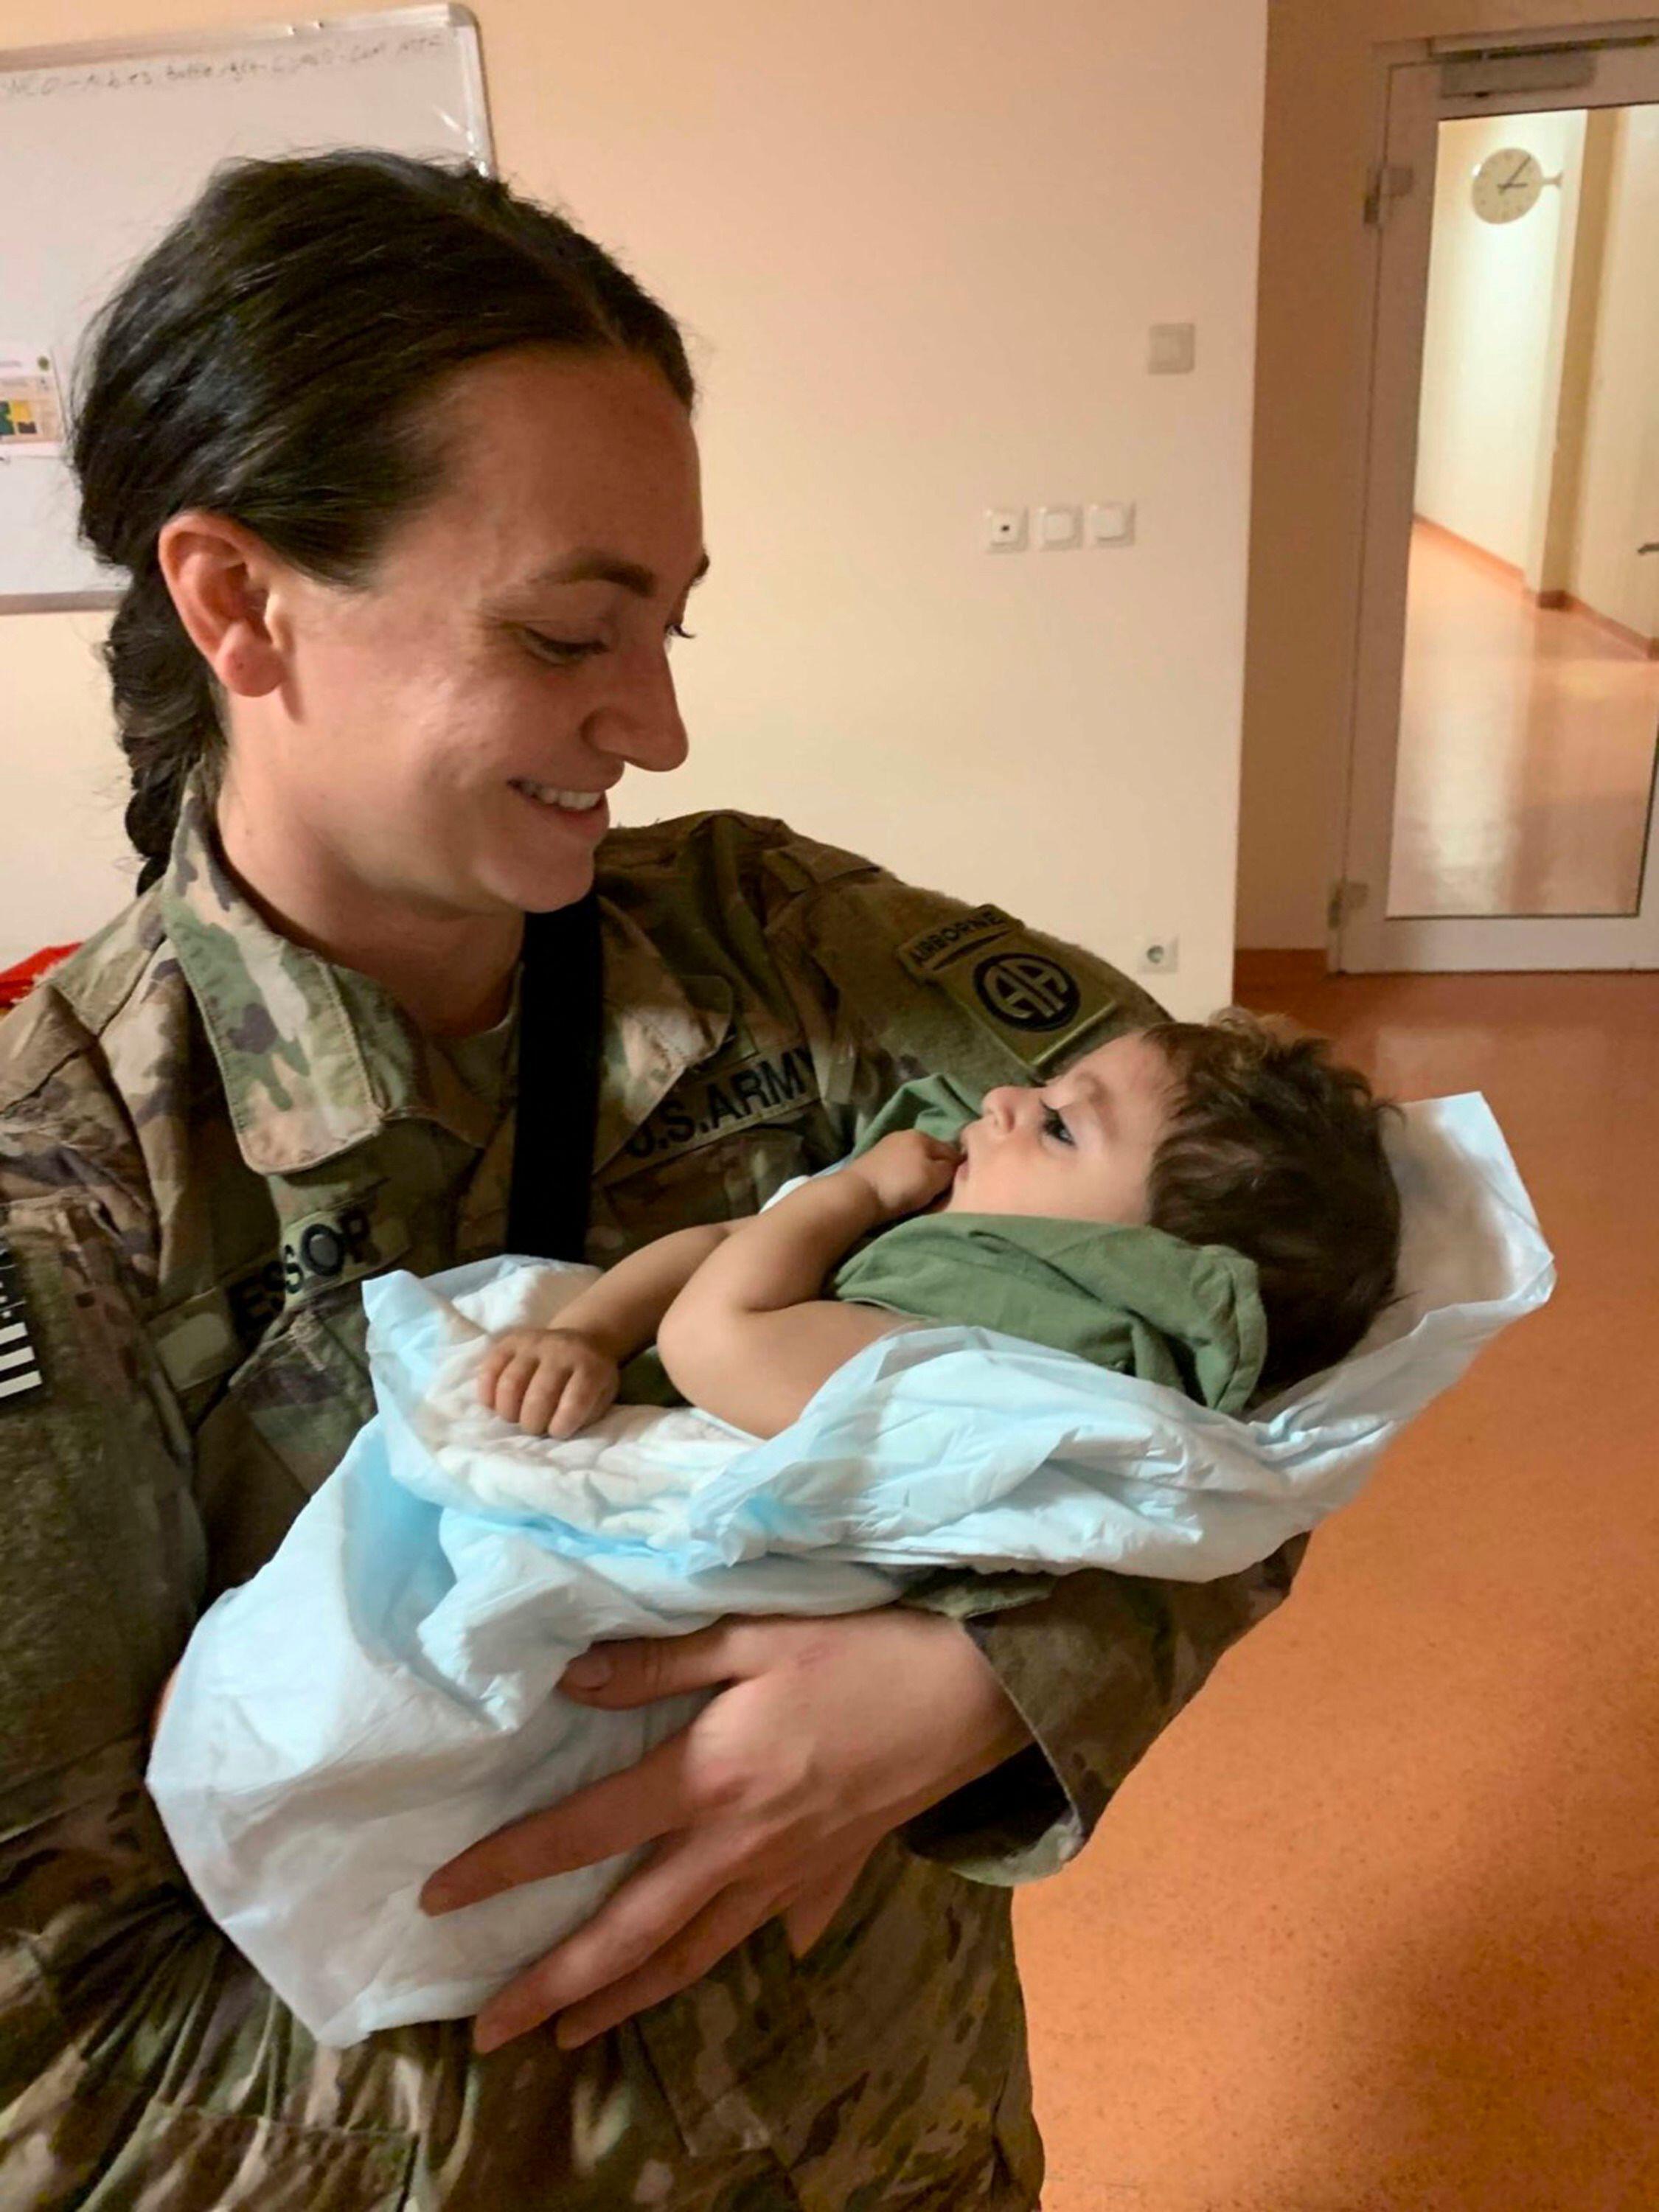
(270, 361)
(1276, 1149)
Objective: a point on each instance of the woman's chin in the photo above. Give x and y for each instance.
(534, 887)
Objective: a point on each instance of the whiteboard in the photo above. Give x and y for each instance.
(102, 146)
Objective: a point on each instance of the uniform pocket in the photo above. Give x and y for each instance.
(278, 1431)
(886, 2068)
(187, 2161)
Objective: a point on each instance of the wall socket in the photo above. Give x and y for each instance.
(1158, 956)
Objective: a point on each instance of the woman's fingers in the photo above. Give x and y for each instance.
(617, 1814)
(636, 1672)
(675, 1961)
(722, 1925)
(661, 1930)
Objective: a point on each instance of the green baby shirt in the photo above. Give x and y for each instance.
(1127, 1298)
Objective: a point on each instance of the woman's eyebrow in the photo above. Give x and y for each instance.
(590, 566)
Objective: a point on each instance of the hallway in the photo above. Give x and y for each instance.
(1375, 1928)
(1527, 740)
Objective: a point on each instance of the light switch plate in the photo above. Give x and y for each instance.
(1171, 349)
(1059, 528)
(1112, 522)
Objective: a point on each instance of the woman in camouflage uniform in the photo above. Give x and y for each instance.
(402, 471)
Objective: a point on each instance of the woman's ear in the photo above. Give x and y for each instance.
(220, 577)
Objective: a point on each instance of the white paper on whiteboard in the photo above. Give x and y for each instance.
(31, 401)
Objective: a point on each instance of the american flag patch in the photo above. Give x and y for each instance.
(20, 1363)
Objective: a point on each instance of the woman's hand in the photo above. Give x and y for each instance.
(905, 1170)
(826, 1735)
(551, 1381)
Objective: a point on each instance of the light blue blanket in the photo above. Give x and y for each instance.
(382, 1692)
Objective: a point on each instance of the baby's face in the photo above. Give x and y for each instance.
(1077, 1149)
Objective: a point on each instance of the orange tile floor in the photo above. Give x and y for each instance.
(1527, 740)
(1376, 1926)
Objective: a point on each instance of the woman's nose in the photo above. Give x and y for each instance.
(641, 723)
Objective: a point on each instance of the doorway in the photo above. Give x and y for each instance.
(1504, 756)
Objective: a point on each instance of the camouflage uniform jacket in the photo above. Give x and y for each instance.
(208, 1137)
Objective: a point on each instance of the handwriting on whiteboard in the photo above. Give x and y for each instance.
(159, 70)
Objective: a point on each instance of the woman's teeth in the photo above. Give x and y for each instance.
(578, 801)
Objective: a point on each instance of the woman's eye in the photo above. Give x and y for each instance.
(1054, 1126)
(562, 651)
(677, 630)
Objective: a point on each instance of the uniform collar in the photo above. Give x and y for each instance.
(315, 1058)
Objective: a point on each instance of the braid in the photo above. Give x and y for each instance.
(164, 711)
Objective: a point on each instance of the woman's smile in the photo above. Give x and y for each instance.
(587, 814)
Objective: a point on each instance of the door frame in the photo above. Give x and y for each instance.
(1422, 85)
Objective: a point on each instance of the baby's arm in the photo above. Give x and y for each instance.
(748, 1338)
(555, 1381)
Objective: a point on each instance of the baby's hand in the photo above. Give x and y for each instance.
(551, 1381)
(906, 1170)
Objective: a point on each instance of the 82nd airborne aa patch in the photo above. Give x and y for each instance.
(20, 1363)
(1011, 984)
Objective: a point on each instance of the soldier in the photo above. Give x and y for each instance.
(401, 471)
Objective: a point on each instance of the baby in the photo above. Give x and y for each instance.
(1166, 1144)
(1205, 1208)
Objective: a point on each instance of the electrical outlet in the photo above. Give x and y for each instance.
(1158, 956)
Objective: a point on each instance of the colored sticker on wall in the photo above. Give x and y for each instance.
(31, 403)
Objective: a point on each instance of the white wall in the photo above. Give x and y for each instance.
(919, 242)
(1497, 293)
(1619, 497)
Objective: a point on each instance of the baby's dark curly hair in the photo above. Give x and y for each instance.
(1276, 1150)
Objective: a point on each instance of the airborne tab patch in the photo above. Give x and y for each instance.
(1026, 994)
(938, 947)
(20, 1363)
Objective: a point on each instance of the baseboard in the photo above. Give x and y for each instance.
(1554, 601)
(1289, 969)
(1569, 602)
